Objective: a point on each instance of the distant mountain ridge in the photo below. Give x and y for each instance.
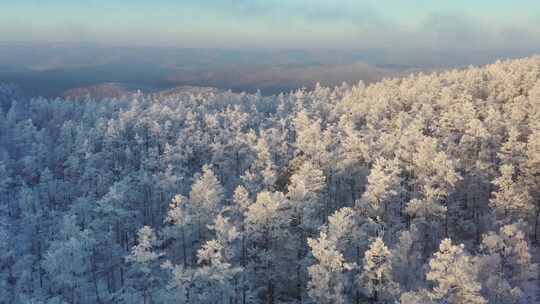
(50, 70)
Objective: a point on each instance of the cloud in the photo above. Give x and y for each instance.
(364, 24)
(460, 32)
(289, 24)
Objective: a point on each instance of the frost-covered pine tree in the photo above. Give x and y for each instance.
(213, 281)
(266, 221)
(435, 177)
(509, 247)
(311, 139)
(505, 266)
(262, 173)
(383, 188)
(205, 198)
(241, 199)
(342, 228)
(454, 275)
(532, 175)
(226, 235)
(326, 276)
(407, 262)
(180, 221)
(305, 191)
(434, 171)
(513, 150)
(144, 257)
(143, 253)
(67, 262)
(376, 278)
(511, 200)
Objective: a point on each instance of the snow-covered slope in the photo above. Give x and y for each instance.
(423, 189)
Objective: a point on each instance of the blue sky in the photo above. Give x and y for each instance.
(336, 24)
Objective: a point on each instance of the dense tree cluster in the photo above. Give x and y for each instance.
(424, 189)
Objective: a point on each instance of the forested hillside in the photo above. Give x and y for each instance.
(424, 189)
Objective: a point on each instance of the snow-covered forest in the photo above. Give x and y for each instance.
(424, 189)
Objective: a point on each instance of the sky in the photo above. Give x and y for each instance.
(324, 24)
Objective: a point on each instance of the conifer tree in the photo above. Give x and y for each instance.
(376, 278)
(205, 198)
(511, 200)
(455, 276)
(384, 185)
(326, 283)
